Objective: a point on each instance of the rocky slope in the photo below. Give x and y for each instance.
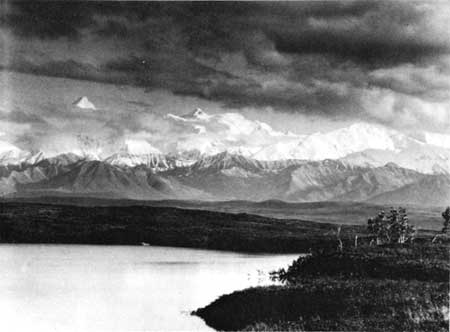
(226, 176)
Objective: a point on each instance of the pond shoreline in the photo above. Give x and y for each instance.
(106, 288)
(366, 289)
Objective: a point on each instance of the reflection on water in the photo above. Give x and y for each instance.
(120, 288)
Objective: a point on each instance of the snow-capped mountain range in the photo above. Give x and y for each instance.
(234, 133)
(226, 156)
(200, 135)
(226, 176)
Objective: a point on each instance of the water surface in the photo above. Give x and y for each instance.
(120, 288)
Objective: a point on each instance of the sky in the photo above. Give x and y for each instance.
(298, 66)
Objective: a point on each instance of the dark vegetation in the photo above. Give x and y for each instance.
(421, 261)
(365, 289)
(333, 305)
(395, 286)
(345, 213)
(345, 282)
(166, 226)
(446, 216)
(391, 228)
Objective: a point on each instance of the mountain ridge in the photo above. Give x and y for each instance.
(227, 156)
(225, 176)
(203, 135)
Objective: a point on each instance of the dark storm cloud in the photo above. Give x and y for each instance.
(47, 20)
(297, 56)
(320, 100)
(180, 74)
(68, 68)
(372, 52)
(227, 25)
(430, 83)
(366, 32)
(113, 28)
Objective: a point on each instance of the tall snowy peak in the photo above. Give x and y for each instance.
(234, 133)
(136, 152)
(84, 103)
(11, 154)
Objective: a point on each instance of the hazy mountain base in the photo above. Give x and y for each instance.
(367, 289)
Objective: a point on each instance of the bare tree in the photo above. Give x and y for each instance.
(340, 244)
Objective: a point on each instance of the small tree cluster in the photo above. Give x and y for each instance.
(391, 228)
(446, 229)
(446, 216)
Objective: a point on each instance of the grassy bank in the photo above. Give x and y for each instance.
(367, 289)
(166, 226)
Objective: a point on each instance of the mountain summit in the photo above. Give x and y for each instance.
(198, 113)
(137, 152)
(11, 154)
(84, 103)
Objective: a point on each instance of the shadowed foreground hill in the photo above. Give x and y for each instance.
(347, 213)
(166, 226)
(368, 289)
(333, 305)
